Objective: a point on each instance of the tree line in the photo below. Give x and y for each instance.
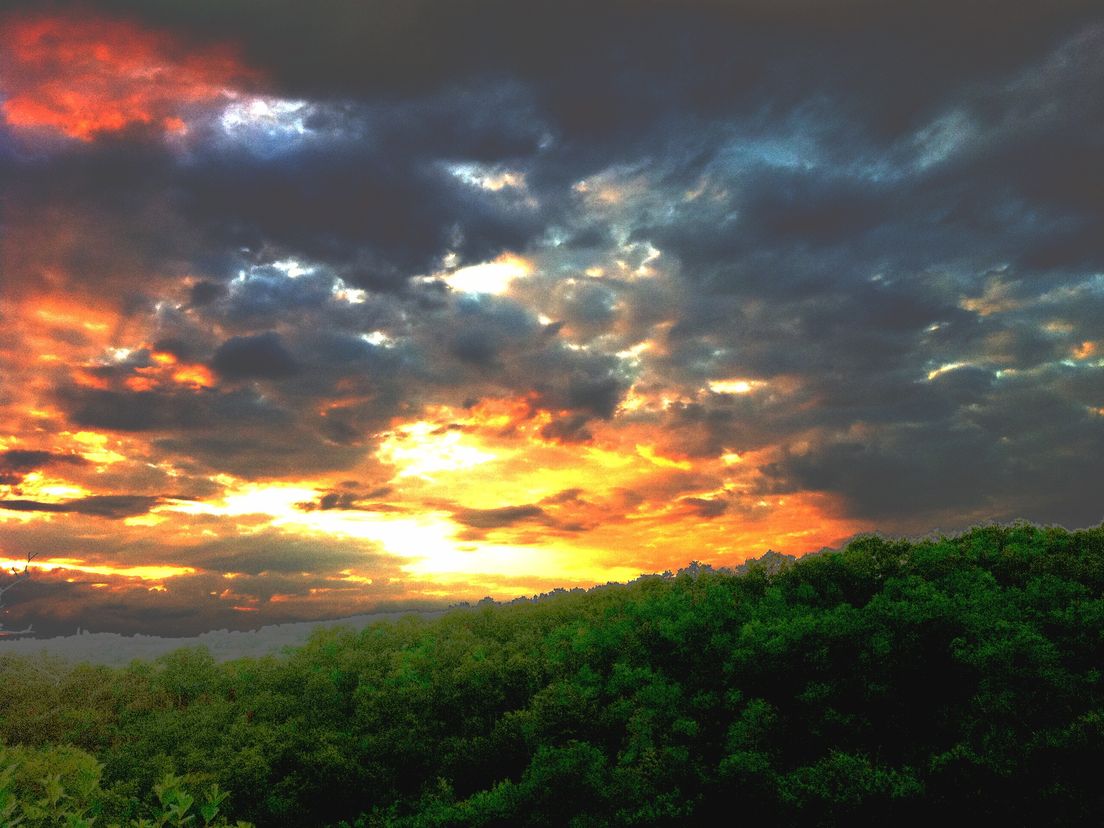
(895, 680)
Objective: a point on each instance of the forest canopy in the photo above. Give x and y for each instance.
(893, 680)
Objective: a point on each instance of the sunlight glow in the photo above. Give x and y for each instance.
(734, 386)
(292, 269)
(145, 573)
(197, 376)
(1085, 350)
(343, 293)
(946, 368)
(488, 178)
(423, 449)
(649, 454)
(378, 339)
(93, 447)
(271, 117)
(274, 499)
(39, 486)
(490, 277)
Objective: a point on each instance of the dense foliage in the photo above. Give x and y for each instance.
(903, 681)
(60, 786)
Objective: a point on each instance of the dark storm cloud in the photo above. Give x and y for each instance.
(377, 204)
(106, 506)
(376, 198)
(204, 292)
(162, 410)
(351, 497)
(268, 292)
(15, 464)
(18, 460)
(630, 60)
(271, 551)
(262, 357)
(861, 277)
(241, 431)
(498, 518)
(481, 345)
(707, 507)
(487, 328)
(94, 216)
(372, 204)
(1022, 453)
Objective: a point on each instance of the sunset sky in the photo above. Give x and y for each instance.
(310, 309)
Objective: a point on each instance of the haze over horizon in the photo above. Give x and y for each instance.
(316, 310)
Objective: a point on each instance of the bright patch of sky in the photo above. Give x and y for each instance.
(796, 152)
(343, 293)
(292, 269)
(265, 125)
(493, 277)
(942, 138)
(734, 386)
(486, 177)
(422, 449)
(946, 368)
(378, 339)
(288, 268)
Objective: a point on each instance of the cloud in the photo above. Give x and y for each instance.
(500, 517)
(16, 463)
(254, 357)
(352, 498)
(85, 75)
(114, 507)
(277, 552)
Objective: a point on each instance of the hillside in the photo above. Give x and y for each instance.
(115, 650)
(892, 681)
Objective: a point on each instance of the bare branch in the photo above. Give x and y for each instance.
(30, 557)
(23, 576)
(20, 577)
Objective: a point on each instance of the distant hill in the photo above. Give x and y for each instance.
(115, 650)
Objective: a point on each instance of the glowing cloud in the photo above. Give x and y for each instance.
(85, 76)
(423, 449)
(734, 386)
(145, 573)
(490, 277)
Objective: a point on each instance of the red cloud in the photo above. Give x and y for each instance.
(86, 76)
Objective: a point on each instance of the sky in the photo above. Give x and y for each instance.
(311, 310)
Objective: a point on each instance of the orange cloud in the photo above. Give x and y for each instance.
(83, 77)
(627, 502)
(167, 370)
(197, 376)
(142, 572)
